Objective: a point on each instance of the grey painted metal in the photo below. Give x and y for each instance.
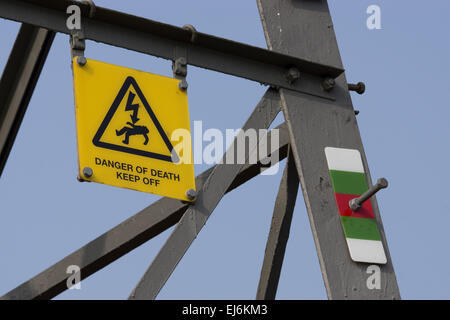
(313, 124)
(166, 41)
(127, 236)
(279, 232)
(208, 198)
(356, 203)
(18, 80)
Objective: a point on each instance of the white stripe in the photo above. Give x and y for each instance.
(344, 159)
(369, 251)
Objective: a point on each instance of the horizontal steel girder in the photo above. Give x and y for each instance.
(170, 42)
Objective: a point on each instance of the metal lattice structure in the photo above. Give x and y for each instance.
(306, 80)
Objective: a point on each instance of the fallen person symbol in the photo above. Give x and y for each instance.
(131, 131)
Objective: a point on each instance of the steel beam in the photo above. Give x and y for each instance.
(167, 41)
(314, 124)
(208, 198)
(279, 232)
(18, 80)
(127, 236)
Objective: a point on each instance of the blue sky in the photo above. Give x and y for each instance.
(46, 213)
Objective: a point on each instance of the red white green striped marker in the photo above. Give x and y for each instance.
(360, 227)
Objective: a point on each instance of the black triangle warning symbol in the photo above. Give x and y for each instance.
(131, 128)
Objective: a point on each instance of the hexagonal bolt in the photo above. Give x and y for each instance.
(191, 194)
(87, 172)
(359, 88)
(356, 203)
(328, 84)
(81, 61)
(292, 75)
(183, 85)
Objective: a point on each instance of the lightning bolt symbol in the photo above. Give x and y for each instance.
(132, 107)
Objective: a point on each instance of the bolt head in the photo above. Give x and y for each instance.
(361, 88)
(87, 172)
(183, 85)
(353, 205)
(293, 74)
(191, 194)
(383, 183)
(328, 84)
(81, 61)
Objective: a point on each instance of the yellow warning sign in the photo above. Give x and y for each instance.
(131, 128)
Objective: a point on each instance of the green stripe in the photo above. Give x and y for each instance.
(348, 182)
(360, 228)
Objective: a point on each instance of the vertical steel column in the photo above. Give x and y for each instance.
(18, 80)
(208, 198)
(279, 232)
(304, 28)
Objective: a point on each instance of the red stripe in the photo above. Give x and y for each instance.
(342, 200)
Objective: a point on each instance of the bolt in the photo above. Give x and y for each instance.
(191, 194)
(292, 75)
(356, 203)
(359, 88)
(328, 84)
(87, 172)
(183, 85)
(81, 61)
